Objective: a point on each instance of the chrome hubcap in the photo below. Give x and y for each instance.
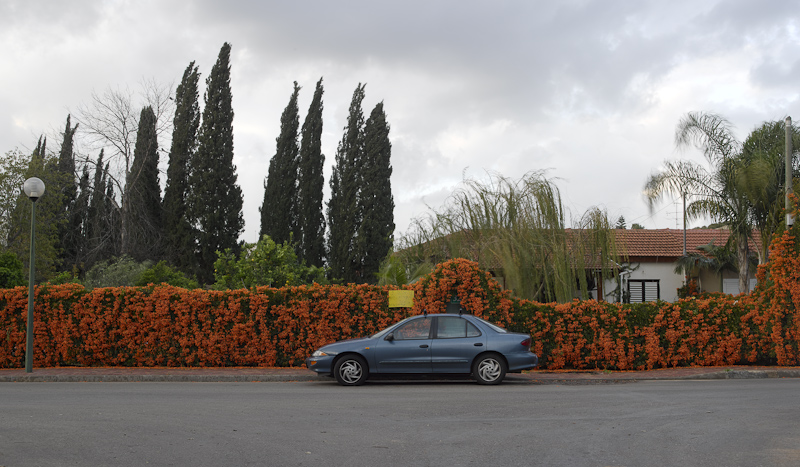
(350, 371)
(489, 369)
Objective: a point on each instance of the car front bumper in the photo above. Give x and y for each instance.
(321, 365)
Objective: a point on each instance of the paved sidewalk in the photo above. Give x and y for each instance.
(163, 374)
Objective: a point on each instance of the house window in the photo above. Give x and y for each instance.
(644, 290)
(731, 286)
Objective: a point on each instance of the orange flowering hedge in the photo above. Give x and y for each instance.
(169, 326)
(602, 335)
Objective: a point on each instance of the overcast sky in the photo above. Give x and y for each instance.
(589, 90)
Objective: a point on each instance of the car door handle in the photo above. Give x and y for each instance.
(423, 346)
(478, 344)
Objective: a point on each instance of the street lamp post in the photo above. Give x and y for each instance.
(34, 189)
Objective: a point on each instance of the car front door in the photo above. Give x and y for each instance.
(406, 349)
(455, 345)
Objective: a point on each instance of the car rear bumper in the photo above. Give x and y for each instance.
(522, 361)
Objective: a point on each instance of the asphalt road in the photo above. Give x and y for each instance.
(647, 423)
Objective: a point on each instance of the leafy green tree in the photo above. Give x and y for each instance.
(279, 211)
(265, 263)
(310, 181)
(49, 216)
(516, 228)
(375, 202)
(13, 167)
(636, 226)
(10, 271)
(162, 273)
(215, 197)
(179, 237)
(143, 192)
(343, 214)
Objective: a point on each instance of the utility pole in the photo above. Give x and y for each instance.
(685, 281)
(789, 179)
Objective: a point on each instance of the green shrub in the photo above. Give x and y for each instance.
(265, 263)
(161, 273)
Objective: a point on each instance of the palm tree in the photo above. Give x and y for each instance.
(713, 258)
(718, 193)
(763, 179)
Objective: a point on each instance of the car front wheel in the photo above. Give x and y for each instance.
(489, 369)
(351, 370)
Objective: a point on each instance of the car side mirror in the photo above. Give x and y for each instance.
(389, 337)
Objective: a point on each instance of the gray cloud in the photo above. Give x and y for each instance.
(588, 89)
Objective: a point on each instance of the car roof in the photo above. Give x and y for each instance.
(446, 314)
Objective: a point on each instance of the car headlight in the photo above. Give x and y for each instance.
(320, 353)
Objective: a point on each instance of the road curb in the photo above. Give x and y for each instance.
(158, 378)
(748, 374)
(535, 377)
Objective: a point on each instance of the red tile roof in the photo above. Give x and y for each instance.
(668, 243)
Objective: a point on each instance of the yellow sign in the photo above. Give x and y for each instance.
(401, 299)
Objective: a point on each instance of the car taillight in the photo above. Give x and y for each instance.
(526, 343)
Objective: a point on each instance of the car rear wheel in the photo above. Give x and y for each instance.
(351, 370)
(489, 369)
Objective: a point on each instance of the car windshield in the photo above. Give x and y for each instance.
(494, 327)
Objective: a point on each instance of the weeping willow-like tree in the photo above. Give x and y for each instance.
(516, 228)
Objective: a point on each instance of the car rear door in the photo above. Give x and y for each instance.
(455, 345)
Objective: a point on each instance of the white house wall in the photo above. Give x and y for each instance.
(668, 281)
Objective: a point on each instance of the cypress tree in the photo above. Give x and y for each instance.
(113, 219)
(179, 236)
(66, 160)
(38, 154)
(71, 235)
(310, 183)
(78, 226)
(375, 201)
(343, 216)
(279, 210)
(215, 198)
(101, 227)
(144, 193)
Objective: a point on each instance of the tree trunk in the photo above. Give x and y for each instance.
(743, 252)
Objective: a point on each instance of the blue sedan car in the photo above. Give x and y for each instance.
(437, 344)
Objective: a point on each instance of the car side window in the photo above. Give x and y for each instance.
(451, 327)
(415, 329)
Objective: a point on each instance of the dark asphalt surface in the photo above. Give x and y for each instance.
(656, 423)
(119, 374)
